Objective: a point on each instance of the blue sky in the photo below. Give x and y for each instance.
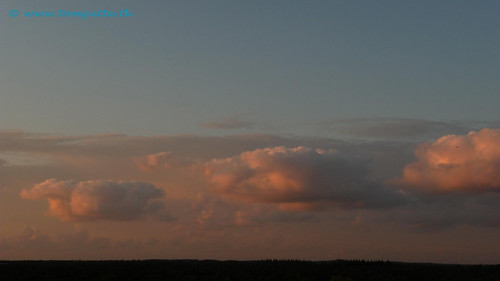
(176, 64)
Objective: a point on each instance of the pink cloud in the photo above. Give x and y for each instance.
(97, 199)
(163, 161)
(300, 177)
(457, 162)
(155, 161)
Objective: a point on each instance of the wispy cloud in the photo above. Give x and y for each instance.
(228, 124)
(235, 123)
(394, 128)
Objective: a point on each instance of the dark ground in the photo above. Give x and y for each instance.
(275, 270)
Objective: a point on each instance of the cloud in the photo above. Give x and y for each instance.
(262, 214)
(228, 124)
(394, 128)
(155, 161)
(456, 163)
(120, 146)
(162, 161)
(97, 199)
(298, 178)
(33, 243)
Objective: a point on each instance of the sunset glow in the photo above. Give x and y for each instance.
(250, 130)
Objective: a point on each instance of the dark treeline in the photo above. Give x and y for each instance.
(275, 270)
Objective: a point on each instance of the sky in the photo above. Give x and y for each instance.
(250, 130)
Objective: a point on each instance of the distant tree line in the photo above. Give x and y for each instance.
(275, 270)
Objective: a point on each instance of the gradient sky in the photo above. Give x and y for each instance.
(251, 129)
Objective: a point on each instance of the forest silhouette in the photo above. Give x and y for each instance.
(276, 270)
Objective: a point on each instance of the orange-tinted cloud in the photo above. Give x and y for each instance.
(457, 162)
(163, 160)
(78, 244)
(300, 175)
(97, 199)
(155, 161)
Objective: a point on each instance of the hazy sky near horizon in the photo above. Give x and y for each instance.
(251, 129)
